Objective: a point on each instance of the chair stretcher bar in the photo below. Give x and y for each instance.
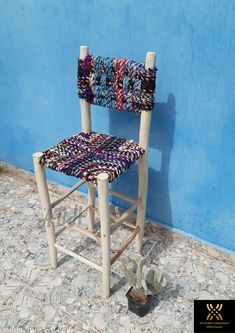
(123, 217)
(68, 224)
(77, 185)
(87, 233)
(125, 244)
(122, 196)
(79, 257)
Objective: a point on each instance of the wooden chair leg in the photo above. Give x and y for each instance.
(46, 206)
(104, 211)
(142, 198)
(91, 201)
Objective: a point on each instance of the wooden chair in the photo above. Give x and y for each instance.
(69, 158)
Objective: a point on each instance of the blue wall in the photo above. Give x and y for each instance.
(192, 146)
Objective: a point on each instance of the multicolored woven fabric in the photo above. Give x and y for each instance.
(87, 155)
(116, 83)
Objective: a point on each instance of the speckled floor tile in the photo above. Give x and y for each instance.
(35, 298)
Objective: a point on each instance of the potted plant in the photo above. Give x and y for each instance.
(144, 283)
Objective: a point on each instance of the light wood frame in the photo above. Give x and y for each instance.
(103, 199)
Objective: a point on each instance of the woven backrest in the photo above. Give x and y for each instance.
(116, 83)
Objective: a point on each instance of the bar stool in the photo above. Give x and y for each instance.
(98, 159)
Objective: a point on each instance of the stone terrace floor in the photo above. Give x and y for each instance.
(36, 298)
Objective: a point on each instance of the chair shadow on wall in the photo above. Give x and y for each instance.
(160, 144)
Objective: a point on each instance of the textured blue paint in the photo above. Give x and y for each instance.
(192, 146)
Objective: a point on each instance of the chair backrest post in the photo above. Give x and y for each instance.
(145, 119)
(85, 106)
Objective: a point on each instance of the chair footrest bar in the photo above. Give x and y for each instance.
(79, 257)
(122, 196)
(87, 233)
(123, 217)
(125, 244)
(129, 225)
(77, 216)
(68, 224)
(77, 185)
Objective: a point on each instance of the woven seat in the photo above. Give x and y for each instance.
(86, 155)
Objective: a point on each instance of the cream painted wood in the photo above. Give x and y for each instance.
(122, 196)
(128, 224)
(145, 122)
(79, 257)
(104, 210)
(123, 217)
(80, 213)
(74, 188)
(46, 206)
(70, 223)
(91, 203)
(125, 244)
(88, 233)
(81, 231)
(142, 196)
(85, 106)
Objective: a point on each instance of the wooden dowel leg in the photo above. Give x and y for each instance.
(142, 197)
(46, 206)
(91, 209)
(143, 163)
(104, 210)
